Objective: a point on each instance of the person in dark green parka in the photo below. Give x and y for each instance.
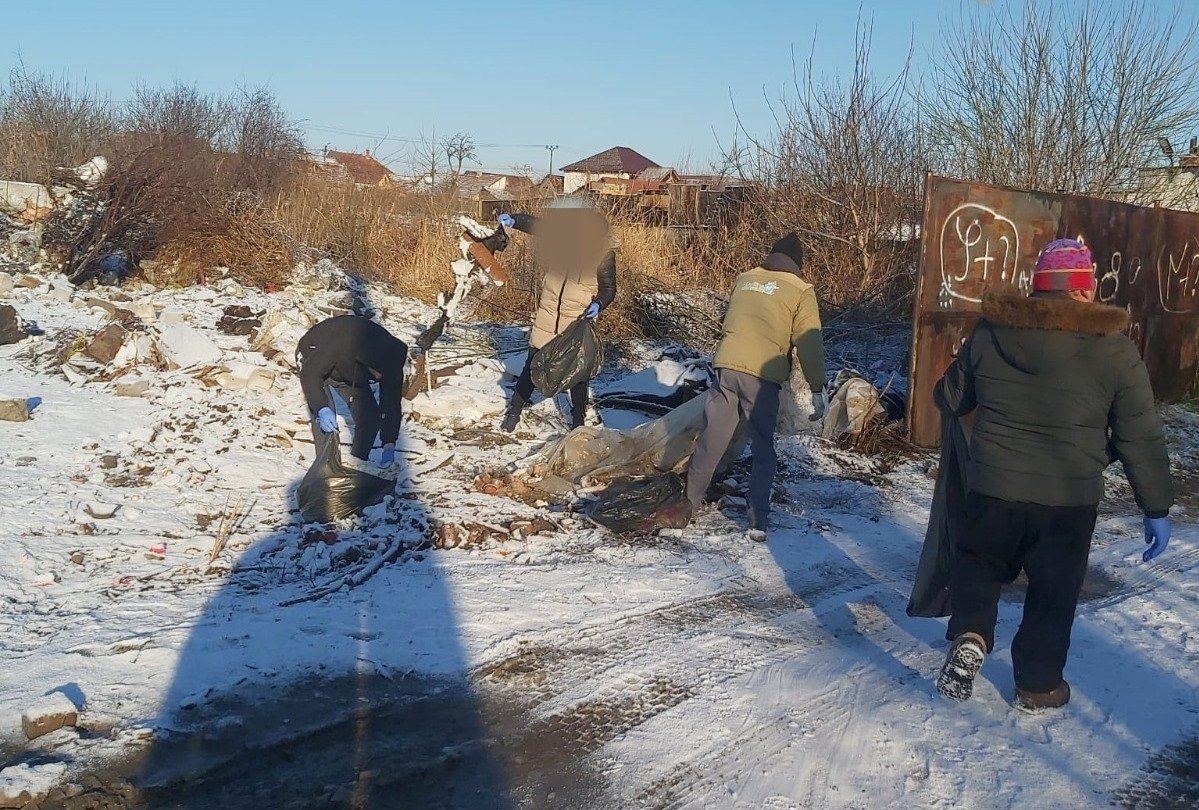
(1058, 392)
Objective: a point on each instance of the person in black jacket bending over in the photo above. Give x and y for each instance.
(346, 354)
(575, 254)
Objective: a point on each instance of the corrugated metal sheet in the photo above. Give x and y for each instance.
(978, 237)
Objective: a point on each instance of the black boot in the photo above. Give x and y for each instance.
(512, 415)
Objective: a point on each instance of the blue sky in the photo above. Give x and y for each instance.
(656, 75)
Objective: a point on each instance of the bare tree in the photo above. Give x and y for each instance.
(428, 156)
(843, 167)
(1053, 100)
(459, 148)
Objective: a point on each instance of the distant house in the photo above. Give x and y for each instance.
(498, 186)
(1169, 186)
(619, 162)
(363, 170)
(550, 186)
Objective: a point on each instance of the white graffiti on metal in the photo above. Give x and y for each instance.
(975, 225)
(1178, 278)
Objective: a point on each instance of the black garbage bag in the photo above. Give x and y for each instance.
(946, 523)
(630, 507)
(575, 355)
(330, 490)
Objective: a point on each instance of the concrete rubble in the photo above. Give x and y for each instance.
(14, 410)
(54, 712)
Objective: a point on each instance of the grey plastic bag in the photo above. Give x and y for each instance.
(330, 490)
(574, 356)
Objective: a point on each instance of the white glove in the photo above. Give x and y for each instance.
(818, 406)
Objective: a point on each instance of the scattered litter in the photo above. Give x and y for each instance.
(101, 511)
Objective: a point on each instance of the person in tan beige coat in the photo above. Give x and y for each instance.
(578, 264)
(772, 313)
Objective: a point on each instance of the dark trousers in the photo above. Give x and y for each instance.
(1051, 544)
(737, 398)
(364, 410)
(579, 394)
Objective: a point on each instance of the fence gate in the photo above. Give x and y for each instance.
(977, 237)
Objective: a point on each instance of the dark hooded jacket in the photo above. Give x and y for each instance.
(1058, 392)
(342, 351)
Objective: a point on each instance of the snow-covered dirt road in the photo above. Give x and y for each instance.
(538, 662)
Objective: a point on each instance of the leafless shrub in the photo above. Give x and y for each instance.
(843, 167)
(1049, 99)
(47, 121)
(179, 112)
(263, 142)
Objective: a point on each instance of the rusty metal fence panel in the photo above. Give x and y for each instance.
(977, 237)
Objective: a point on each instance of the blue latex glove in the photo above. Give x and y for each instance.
(326, 420)
(1157, 536)
(506, 220)
(592, 312)
(389, 455)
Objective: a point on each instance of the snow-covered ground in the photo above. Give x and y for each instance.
(547, 659)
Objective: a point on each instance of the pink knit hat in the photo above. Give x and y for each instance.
(1064, 265)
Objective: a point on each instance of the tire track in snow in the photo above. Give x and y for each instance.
(1147, 578)
(822, 721)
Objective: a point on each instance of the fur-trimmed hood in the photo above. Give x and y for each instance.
(1054, 315)
(1038, 334)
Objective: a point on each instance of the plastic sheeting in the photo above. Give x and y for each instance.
(574, 356)
(603, 454)
(330, 490)
(853, 402)
(663, 445)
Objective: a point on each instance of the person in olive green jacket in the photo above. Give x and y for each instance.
(772, 312)
(1058, 392)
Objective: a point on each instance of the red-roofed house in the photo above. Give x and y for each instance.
(361, 170)
(619, 161)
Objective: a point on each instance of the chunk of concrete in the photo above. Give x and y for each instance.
(131, 386)
(186, 347)
(14, 410)
(107, 343)
(12, 330)
(24, 785)
(61, 292)
(7, 285)
(55, 711)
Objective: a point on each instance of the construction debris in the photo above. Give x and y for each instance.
(51, 714)
(12, 329)
(14, 410)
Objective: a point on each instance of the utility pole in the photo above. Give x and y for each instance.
(551, 148)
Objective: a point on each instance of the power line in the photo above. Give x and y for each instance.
(402, 139)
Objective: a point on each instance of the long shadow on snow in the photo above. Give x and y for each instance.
(383, 715)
